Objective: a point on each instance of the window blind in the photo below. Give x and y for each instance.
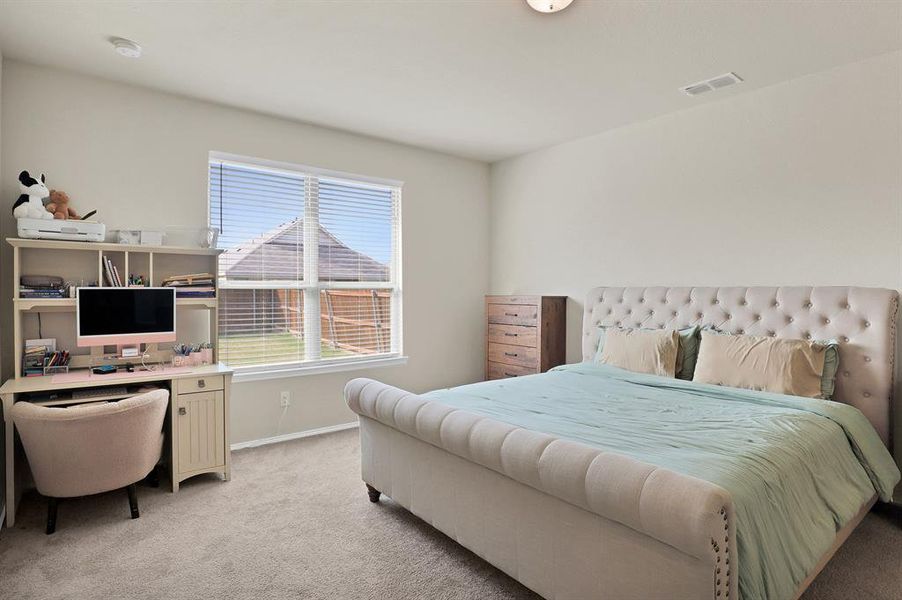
(258, 215)
(310, 268)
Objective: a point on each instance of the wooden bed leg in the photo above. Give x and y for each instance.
(373, 493)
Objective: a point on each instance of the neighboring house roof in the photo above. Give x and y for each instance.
(279, 254)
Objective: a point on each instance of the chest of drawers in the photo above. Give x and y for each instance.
(524, 334)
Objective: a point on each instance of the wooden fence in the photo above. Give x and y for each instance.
(357, 321)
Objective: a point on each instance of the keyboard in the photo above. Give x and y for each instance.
(89, 393)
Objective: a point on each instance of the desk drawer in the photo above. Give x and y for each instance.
(513, 355)
(190, 385)
(499, 371)
(516, 335)
(513, 314)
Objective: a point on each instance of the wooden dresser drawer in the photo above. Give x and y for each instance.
(499, 371)
(513, 314)
(516, 335)
(190, 385)
(513, 355)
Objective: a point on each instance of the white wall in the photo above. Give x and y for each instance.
(140, 158)
(798, 183)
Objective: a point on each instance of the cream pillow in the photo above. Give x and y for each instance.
(641, 350)
(782, 366)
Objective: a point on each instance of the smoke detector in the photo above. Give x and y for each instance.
(549, 6)
(126, 48)
(710, 85)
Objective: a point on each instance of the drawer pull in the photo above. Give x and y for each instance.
(510, 354)
(183, 411)
(511, 315)
(510, 374)
(201, 383)
(511, 334)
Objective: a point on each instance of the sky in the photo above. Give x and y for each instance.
(245, 203)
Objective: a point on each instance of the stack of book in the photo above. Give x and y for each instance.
(198, 285)
(42, 287)
(29, 292)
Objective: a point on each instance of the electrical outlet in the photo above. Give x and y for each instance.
(285, 399)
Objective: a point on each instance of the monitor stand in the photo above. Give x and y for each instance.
(126, 352)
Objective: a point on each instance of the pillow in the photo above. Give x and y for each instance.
(687, 352)
(831, 363)
(831, 366)
(781, 366)
(641, 350)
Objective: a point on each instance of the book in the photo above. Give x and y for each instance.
(108, 271)
(26, 293)
(194, 283)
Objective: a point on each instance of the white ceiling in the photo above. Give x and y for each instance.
(483, 79)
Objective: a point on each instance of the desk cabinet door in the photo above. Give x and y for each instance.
(201, 431)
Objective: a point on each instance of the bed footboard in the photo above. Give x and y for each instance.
(563, 518)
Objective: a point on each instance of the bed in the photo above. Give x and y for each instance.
(593, 482)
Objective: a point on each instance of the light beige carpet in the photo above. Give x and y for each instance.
(295, 522)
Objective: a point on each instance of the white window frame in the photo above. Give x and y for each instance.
(311, 285)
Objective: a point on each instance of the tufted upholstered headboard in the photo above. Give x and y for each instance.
(862, 319)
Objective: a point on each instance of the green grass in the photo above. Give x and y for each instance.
(269, 348)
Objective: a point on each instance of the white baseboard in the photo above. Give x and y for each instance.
(293, 436)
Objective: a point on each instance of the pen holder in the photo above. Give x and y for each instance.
(180, 360)
(56, 370)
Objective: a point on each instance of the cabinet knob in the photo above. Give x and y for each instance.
(201, 383)
(183, 410)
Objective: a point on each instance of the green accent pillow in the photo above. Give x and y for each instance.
(686, 356)
(831, 366)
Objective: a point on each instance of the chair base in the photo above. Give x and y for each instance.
(53, 505)
(133, 500)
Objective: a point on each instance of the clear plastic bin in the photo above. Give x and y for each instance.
(192, 237)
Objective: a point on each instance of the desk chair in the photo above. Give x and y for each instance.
(92, 448)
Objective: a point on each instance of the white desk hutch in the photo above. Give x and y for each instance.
(197, 424)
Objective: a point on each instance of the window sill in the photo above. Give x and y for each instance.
(259, 374)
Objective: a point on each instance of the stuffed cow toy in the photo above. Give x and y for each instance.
(31, 201)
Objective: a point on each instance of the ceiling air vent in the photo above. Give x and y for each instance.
(710, 85)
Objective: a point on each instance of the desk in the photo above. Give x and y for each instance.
(196, 427)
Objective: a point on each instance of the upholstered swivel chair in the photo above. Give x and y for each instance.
(92, 448)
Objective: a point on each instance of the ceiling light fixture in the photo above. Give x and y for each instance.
(549, 6)
(126, 48)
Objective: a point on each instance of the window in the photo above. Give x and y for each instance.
(310, 269)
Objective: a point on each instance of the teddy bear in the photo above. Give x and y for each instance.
(58, 206)
(31, 201)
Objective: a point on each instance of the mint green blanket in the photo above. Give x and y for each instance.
(797, 469)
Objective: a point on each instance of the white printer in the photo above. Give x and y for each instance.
(61, 229)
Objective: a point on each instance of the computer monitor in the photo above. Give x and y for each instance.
(124, 316)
